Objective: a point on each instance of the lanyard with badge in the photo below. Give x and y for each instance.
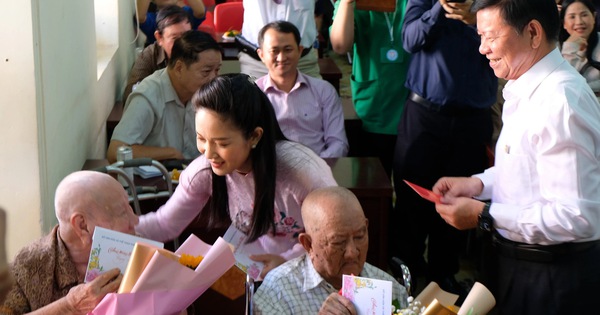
(391, 53)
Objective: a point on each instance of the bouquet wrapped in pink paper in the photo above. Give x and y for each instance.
(435, 301)
(155, 282)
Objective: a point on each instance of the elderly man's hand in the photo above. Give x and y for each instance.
(336, 304)
(83, 298)
(459, 11)
(462, 213)
(458, 187)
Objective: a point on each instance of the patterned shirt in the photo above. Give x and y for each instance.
(43, 273)
(297, 288)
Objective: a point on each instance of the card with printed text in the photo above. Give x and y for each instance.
(369, 296)
(112, 249)
(242, 252)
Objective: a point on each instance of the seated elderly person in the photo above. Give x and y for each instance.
(309, 110)
(159, 119)
(171, 22)
(336, 241)
(49, 273)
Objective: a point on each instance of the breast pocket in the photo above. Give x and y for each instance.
(515, 183)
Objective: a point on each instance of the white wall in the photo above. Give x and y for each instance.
(53, 107)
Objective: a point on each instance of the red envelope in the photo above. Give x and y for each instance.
(425, 193)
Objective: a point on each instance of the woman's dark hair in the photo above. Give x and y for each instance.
(518, 13)
(170, 15)
(592, 41)
(238, 100)
(188, 47)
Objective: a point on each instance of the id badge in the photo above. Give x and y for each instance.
(390, 54)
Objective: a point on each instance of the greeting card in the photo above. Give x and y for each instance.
(112, 249)
(242, 252)
(369, 296)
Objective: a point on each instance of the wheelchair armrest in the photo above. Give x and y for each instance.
(402, 273)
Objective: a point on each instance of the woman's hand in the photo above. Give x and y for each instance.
(581, 41)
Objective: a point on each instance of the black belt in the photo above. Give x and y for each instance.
(539, 253)
(305, 51)
(424, 102)
(443, 109)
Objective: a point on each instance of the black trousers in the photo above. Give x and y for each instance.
(568, 285)
(430, 145)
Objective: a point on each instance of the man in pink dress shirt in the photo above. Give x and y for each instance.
(309, 110)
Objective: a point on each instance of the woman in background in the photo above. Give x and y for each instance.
(252, 175)
(579, 40)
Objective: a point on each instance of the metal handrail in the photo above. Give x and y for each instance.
(249, 295)
(119, 171)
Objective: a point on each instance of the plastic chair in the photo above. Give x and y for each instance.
(209, 4)
(229, 16)
(208, 26)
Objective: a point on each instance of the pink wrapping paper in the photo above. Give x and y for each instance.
(166, 287)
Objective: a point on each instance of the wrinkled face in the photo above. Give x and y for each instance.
(340, 247)
(510, 54)
(280, 53)
(117, 213)
(579, 20)
(196, 75)
(170, 34)
(223, 144)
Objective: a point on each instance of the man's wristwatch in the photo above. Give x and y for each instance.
(486, 221)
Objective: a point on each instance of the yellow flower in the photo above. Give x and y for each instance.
(175, 174)
(190, 260)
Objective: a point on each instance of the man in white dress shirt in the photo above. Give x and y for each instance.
(301, 13)
(308, 109)
(545, 185)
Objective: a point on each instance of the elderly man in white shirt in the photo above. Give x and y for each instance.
(301, 13)
(545, 185)
(336, 242)
(308, 109)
